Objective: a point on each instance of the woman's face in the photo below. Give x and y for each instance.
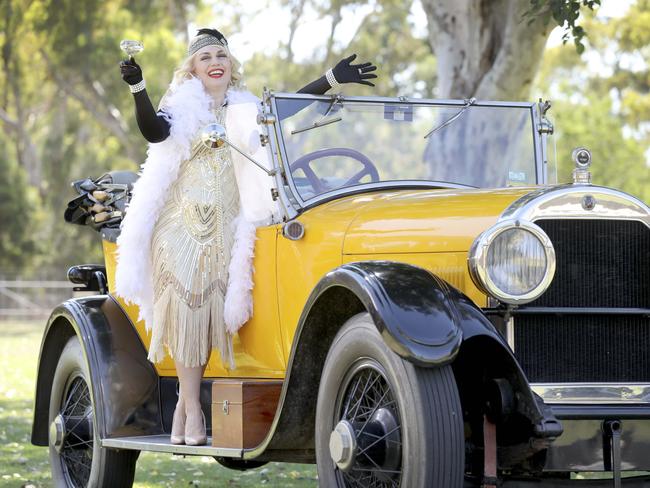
(213, 67)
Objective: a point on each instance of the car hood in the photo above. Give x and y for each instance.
(426, 220)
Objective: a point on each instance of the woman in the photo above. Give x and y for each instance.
(186, 247)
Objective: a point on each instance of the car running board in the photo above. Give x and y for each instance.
(161, 443)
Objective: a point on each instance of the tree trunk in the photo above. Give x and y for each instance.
(26, 151)
(178, 12)
(336, 20)
(297, 9)
(17, 126)
(485, 48)
(25, 147)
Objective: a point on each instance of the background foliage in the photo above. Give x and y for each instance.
(602, 99)
(65, 114)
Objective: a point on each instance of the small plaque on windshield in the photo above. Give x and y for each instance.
(401, 113)
(517, 176)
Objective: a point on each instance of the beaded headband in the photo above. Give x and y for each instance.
(203, 40)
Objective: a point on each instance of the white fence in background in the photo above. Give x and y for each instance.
(31, 299)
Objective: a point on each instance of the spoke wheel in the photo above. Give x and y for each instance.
(383, 422)
(74, 435)
(367, 414)
(77, 459)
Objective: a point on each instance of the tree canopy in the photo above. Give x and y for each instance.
(603, 99)
(66, 114)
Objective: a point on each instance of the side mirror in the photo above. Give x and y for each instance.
(213, 136)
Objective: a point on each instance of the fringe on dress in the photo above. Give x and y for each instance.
(191, 247)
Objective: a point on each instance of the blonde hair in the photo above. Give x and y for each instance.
(185, 71)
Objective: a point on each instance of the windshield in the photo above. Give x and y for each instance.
(339, 143)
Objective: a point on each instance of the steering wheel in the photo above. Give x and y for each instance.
(304, 163)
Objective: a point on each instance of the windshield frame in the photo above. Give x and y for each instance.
(287, 185)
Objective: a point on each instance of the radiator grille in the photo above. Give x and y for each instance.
(583, 348)
(600, 263)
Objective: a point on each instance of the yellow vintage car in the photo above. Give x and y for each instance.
(431, 309)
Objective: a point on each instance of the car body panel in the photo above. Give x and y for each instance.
(301, 264)
(365, 227)
(449, 266)
(258, 346)
(428, 221)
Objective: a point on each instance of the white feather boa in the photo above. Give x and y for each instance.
(188, 108)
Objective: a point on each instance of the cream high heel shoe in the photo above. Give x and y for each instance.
(196, 438)
(178, 427)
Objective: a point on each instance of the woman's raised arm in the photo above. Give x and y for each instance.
(154, 126)
(343, 72)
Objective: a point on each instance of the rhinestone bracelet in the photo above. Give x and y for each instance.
(138, 87)
(332, 80)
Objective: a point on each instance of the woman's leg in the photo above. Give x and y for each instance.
(178, 421)
(189, 400)
(178, 424)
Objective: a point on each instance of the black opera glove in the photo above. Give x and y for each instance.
(131, 71)
(344, 72)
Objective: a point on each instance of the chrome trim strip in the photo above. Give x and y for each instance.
(160, 443)
(541, 135)
(402, 100)
(288, 185)
(384, 185)
(580, 311)
(593, 393)
(510, 332)
(285, 196)
(565, 202)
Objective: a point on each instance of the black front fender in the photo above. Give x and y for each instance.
(124, 384)
(414, 311)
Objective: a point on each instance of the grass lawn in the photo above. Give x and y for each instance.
(24, 465)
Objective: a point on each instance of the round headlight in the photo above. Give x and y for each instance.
(513, 261)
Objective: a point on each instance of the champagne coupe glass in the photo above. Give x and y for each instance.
(131, 47)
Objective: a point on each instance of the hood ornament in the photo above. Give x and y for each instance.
(582, 159)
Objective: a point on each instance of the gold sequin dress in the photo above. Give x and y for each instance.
(190, 247)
